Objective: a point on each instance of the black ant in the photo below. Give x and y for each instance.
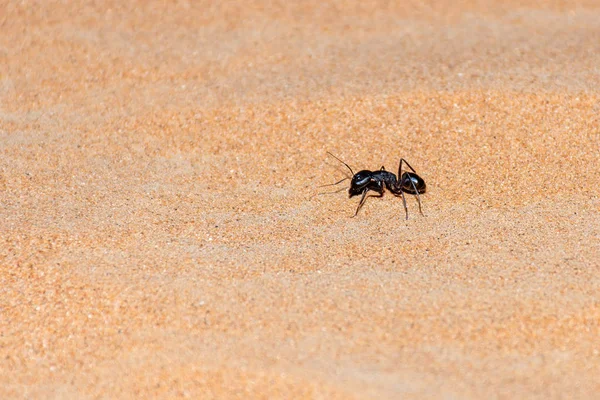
(364, 181)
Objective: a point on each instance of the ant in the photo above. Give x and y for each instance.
(364, 181)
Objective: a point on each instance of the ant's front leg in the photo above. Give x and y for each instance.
(364, 198)
(362, 201)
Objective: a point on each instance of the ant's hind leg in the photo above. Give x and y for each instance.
(418, 197)
(419, 201)
(404, 202)
(402, 160)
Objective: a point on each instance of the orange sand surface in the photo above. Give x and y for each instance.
(160, 233)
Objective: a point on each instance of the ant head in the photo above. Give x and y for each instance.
(359, 182)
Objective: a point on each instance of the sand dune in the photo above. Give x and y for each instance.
(161, 236)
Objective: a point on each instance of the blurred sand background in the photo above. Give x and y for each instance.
(159, 238)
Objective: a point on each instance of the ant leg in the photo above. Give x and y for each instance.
(362, 201)
(400, 167)
(404, 202)
(364, 198)
(418, 197)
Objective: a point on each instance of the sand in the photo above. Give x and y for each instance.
(160, 231)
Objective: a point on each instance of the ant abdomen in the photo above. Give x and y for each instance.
(413, 183)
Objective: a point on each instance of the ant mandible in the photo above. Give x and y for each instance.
(364, 181)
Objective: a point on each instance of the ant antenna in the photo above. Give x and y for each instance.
(335, 191)
(342, 163)
(337, 183)
(331, 184)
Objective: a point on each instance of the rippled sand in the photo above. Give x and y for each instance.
(160, 233)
